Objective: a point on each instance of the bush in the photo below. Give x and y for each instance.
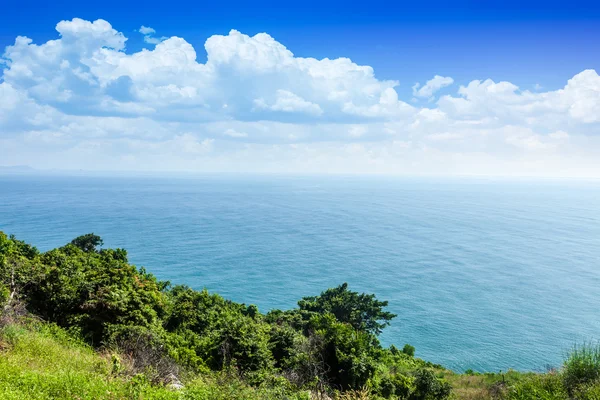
(363, 311)
(582, 367)
(4, 295)
(428, 387)
(539, 387)
(222, 333)
(409, 350)
(88, 242)
(350, 355)
(588, 392)
(142, 352)
(395, 386)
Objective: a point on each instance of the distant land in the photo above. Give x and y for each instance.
(16, 169)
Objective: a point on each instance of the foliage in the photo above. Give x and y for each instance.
(582, 367)
(409, 350)
(42, 361)
(4, 296)
(113, 330)
(154, 329)
(579, 378)
(395, 386)
(220, 332)
(88, 243)
(350, 355)
(360, 394)
(362, 311)
(94, 293)
(539, 387)
(429, 387)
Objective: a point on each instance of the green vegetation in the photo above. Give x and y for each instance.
(42, 361)
(81, 322)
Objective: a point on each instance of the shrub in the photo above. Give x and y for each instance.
(349, 354)
(587, 392)
(88, 243)
(285, 344)
(363, 311)
(582, 367)
(539, 387)
(395, 386)
(409, 350)
(222, 333)
(4, 295)
(428, 387)
(142, 352)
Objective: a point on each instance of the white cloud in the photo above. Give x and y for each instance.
(149, 35)
(235, 134)
(91, 73)
(146, 30)
(577, 102)
(82, 101)
(357, 131)
(581, 96)
(287, 101)
(432, 86)
(153, 40)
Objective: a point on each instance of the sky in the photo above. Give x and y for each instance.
(401, 88)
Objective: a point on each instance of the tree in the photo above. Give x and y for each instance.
(349, 355)
(88, 243)
(17, 270)
(363, 311)
(409, 350)
(429, 387)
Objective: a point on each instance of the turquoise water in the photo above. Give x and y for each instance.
(486, 275)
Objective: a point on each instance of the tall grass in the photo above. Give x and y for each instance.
(539, 387)
(578, 379)
(582, 367)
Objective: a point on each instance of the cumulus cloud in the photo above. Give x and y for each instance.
(149, 35)
(81, 72)
(82, 101)
(287, 101)
(432, 86)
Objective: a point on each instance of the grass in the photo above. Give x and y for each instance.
(582, 367)
(41, 361)
(579, 379)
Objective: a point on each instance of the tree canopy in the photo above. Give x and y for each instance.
(363, 311)
(88, 242)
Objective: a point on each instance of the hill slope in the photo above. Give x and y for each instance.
(112, 330)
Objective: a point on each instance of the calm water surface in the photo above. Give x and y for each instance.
(486, 275)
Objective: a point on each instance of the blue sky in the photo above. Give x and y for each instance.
(530, 50)
(536, 42)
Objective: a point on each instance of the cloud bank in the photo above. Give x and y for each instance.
(82, 101)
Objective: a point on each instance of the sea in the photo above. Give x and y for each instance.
(483, 274)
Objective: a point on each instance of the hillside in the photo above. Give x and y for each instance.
(81, 322)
